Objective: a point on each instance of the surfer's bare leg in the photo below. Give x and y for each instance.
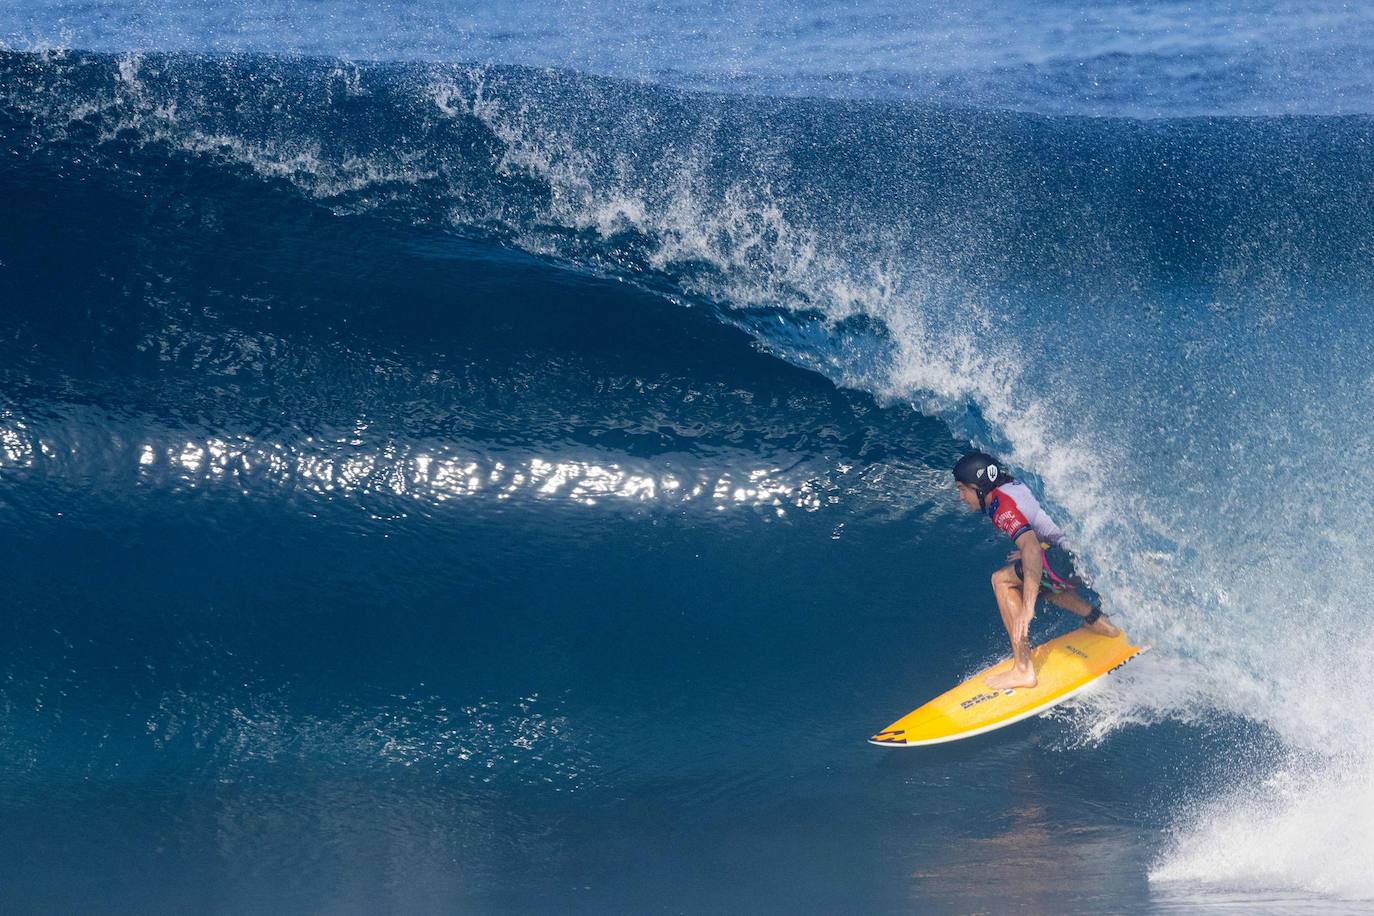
(1073, 602)
(1010, 601)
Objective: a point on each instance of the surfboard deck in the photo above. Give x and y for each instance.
(1063, 667)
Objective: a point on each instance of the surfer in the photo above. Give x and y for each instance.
(1040, 562)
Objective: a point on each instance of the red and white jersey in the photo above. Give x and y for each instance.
(1015, 511)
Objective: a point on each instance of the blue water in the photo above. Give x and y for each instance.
(497, 459)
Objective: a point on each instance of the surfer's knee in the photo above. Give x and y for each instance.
(1004, 578)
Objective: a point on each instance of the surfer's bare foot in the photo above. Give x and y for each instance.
(1103, 626)
(1012, 677)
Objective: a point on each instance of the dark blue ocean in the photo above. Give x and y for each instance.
(466, 458)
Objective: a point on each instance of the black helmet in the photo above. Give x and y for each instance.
(980, 471)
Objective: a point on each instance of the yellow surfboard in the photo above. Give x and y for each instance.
(1063, 667)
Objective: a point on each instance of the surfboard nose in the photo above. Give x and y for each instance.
(891, 736)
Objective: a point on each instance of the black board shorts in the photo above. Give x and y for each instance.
(1058, 574)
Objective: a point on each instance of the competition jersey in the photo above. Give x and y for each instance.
(1015, 511)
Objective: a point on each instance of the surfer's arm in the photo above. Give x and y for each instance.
(1032, 563)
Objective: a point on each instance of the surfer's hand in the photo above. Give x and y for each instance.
(1024, 622)
(1014, 556)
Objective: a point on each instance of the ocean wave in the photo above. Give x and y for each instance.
(1163, 324)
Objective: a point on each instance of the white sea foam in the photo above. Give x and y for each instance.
(1306, 825)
